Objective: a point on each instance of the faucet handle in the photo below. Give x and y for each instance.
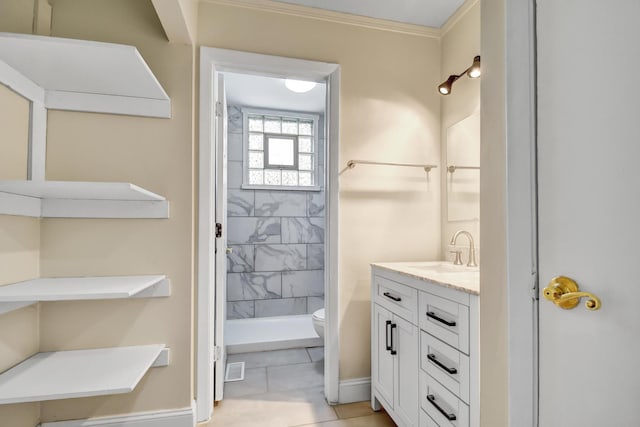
(458, 260)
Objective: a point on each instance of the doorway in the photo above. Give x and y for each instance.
(215, 64)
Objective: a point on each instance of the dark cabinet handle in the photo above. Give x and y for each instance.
(388, 295)
(432, 357)
(432, 399)
(434, 316)
(393, 350)
(386, 335)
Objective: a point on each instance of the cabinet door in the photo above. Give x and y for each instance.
(405, 337)
(382, 368)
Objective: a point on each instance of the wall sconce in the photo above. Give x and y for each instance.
(473, 72)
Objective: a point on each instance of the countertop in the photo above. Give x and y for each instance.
(458, 277)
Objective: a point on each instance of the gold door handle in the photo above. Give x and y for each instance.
(565, 293)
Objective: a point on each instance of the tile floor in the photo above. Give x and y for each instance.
(284, 388)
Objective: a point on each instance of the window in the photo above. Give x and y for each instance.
(280, 150)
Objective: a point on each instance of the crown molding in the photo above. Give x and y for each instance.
(331, 16)
(457, 16)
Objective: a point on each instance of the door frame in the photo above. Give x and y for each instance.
(214, 60)
(518, 62)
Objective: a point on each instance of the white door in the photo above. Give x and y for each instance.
(221, 236)
(383, 369)
(589, 209)
(405, 343)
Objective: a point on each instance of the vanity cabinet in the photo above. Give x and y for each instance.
(424, 348)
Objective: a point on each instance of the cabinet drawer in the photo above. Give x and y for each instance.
(396, 297)
(426, 420)
(447, 365)
(446, 320)
(441, 405)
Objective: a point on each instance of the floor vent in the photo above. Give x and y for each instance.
(234, 372)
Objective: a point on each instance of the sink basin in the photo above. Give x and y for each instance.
(442, 267)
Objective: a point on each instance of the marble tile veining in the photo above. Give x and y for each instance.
(315, 203)
(253, 230)
(240, 202)
(280, 307)
(253, 286)
(314, 303)
(302, 230)
(315, 257)
(240, 309)
(302, 283)
(280, 257)
(240, 260)
(280, 203)
(234, 119)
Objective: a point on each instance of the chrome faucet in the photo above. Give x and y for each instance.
(472, 248)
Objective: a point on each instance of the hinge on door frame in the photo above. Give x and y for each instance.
(218, 230)
(217, 353)
(218, 111)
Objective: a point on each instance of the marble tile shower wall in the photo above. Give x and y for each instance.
(276, 266)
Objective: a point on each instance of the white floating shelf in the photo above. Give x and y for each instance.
(80, 75)
(85, 288)
(69, 199)
(79, 373)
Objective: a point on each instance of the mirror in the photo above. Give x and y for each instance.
(463, 169)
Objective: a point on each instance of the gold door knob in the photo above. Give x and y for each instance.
(565, 293)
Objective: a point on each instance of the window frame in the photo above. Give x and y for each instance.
(265, 162)
(315, 118)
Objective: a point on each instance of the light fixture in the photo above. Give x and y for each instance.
(474, 71)
(299, 86)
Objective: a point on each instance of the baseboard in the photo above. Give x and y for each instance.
(171, 418)
(355, 390)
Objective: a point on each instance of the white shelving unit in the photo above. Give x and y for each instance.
(79, 373)
(80, 75)
(69, 199)
(87, 76)
(21, 294)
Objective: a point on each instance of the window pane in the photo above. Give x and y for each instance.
(306, 127)
(304, 162)
(306, 179)
(272, 124)
(256, 159)
(290, 126)
(289, 177)
(255, 124)
(304, 144)
(256, 141)
(256, 177)
(281, 151)
(271, 177)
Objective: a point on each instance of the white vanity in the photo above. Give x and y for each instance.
(425, 343)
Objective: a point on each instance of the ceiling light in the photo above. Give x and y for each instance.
(474, 71)
(299, 86)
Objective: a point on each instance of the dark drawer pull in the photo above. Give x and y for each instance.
(432, 357)
(388, 295)
(434, 316)
(432, 399)
(393, 350)
(386, 331)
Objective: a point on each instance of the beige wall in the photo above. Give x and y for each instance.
(389, 111)
(460, 44)
(154, 153)
(493, 275)
(19, 253)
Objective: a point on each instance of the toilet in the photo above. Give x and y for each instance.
(318, 322)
